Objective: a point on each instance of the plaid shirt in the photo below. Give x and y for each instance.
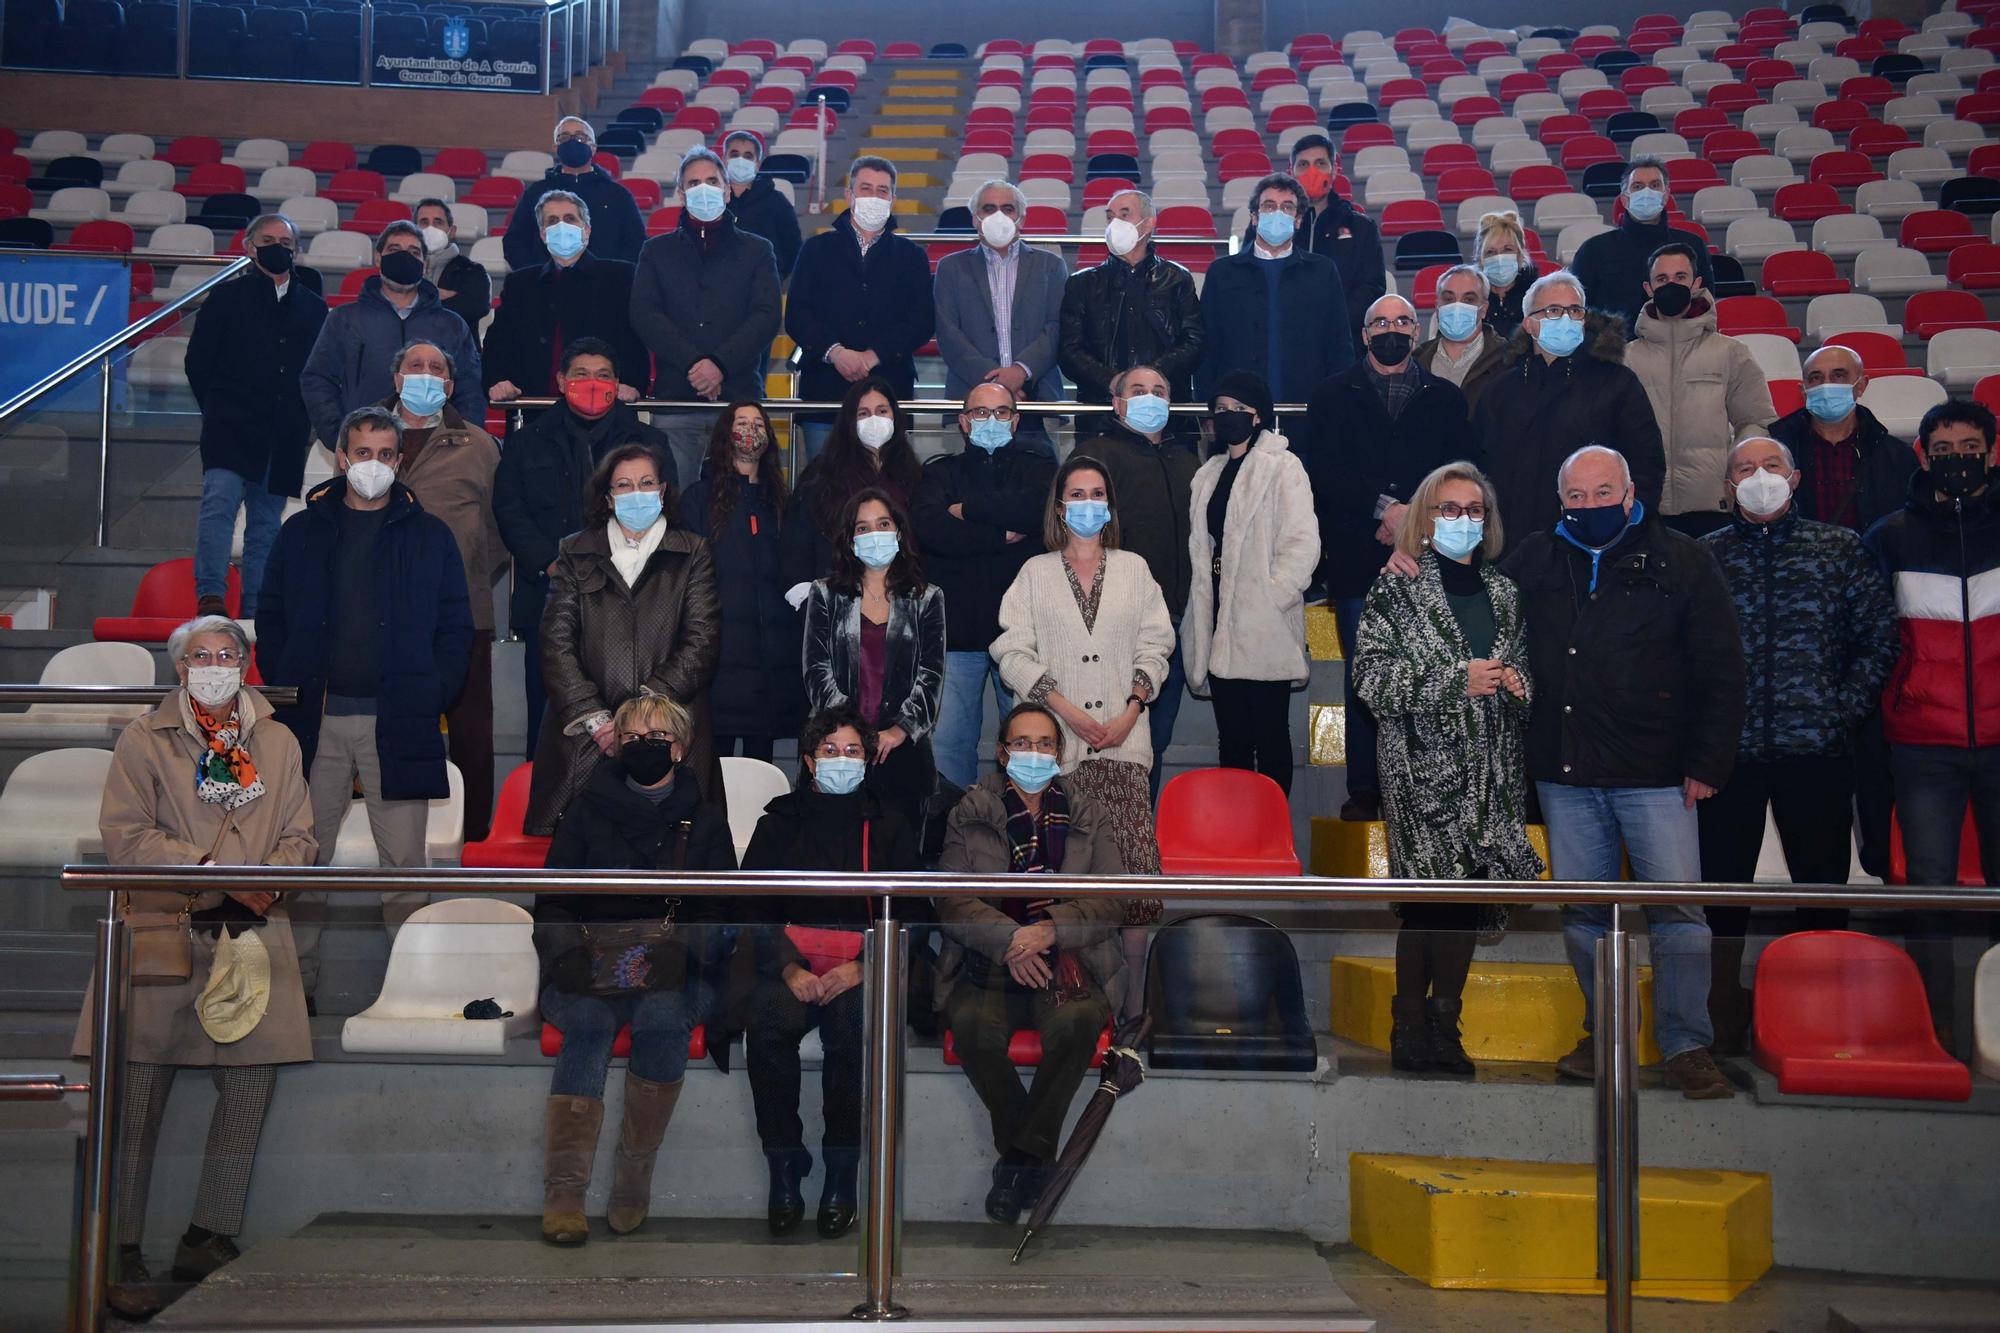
(1834, 473)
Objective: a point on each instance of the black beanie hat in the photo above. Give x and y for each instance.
(1249, 389)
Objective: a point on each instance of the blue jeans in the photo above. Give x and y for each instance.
(1934, 783)
(222, 493)
(813, 436)
(1662, 838)
(590, 1023)
(962, 714)
(1167, 707)
(1363, 772)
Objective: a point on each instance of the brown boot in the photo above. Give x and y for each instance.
(1695, 1074)
(571, 1145)
(132, 1292)
(211, 605)
(648, 1108)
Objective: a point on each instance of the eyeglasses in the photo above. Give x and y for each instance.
(626, 487)
(656, 737)
(1034, 745)
(1557, 312)
(828, 750)
(226, 657)
(574, 136)
(1474, 511)
(1273, 206)
(1401, 324)
(990, 414)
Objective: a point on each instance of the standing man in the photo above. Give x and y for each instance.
(1819, 637)
(448, 463)
(1274, 308)
(860, 299)
(1334, 227)
(1134, 309)
(1153, 477)
(351, 365)
(364, 610)
(1465, 351)
(976, 515)
(1372, 434)
(574, 295)
(1638, 677)
(1614, 264)
(999, 305)
(705, 303)
(1855, 470)
(1941, 710)
(755, 201)
(250, 341)
(620, 229)
(464, 288)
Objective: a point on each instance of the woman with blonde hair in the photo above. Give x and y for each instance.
(1442, 660)
(1501, 251)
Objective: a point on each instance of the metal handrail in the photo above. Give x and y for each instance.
(37, 1087)
(1043, 238)
(278, 696)
(148, 258)
(787, 406)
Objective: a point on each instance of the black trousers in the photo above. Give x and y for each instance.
(779, 1021)
(754, 747)
(984, 1017)
(1811, 801)
(1253, 726)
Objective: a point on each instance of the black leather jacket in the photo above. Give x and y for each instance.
(913, 675)
(1172, 340)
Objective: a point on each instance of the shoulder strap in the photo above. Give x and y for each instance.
(681, 834)
(864, 846)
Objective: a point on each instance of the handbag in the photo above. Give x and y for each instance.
(824, 950)
(163, 942)
(621, 953)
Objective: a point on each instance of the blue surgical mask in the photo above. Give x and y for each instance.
(423, 395)
(1645, 205)
(991, 434)
(1501, 270)
(1275, 229)
(740, 171)
(705, 202)
(1086, 518)
(636, 510)
(877, 550)
(1031, 770)
(1560, 336)
(1830, 402)
(1146, 413)
(1457, 538)
(838, 775)
(564, 239)
(1458, 320)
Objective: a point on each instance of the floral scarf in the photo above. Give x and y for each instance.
(224, 775)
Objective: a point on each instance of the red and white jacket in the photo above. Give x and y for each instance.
(1943, 559)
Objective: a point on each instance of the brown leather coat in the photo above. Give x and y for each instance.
(452, 477)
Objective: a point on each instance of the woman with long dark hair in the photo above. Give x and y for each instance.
(870, 446)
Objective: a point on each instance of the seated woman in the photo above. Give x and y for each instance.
(206, 778)
(607, 961)
(1051, 964)
(809, 962)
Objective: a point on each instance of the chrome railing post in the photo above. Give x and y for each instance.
(882, 1086)
(1616, 1049)
(107, 1049)
(104, 457)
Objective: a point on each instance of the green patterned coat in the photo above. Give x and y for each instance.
(1454, 785)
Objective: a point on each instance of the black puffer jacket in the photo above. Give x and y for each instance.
(757, 689)
(1536, 413)
(1363, 276)
(1171, 340)
(1503, 309)
(970, 558)
(762, 211)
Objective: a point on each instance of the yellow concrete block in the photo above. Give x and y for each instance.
(1322, 638)
(1528, 1013)
(916, 180)
(1350, 850)
(924, 74)
(917, 131)
(778, 384)
(782, 347)
(900, 153)
(890, 108)
(1485, 1224)
(1327, 745)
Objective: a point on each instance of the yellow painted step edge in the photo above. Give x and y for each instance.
(1515, 1013)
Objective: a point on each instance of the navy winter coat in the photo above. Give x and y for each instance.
(758, 690)
(762, 211)
(616, 229)
(243, 363)
(717, 303)
(1315, 336)
(878, 303)
(350, 364)
(1358, 255)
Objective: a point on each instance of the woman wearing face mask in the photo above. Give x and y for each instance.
(739, 507)
(808, 953)
(1254, 542)
(1442, 661)
(1501, 251)
(875, 640)
(606, 964)
(869, 447)
(206, 778)
(632, 607)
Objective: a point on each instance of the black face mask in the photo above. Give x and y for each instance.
(1391, 349)
(646, 762)
(274, 258)
(1958, 475)
(402, 268)
(1672, 299)
(575, 152)
(1234, 427)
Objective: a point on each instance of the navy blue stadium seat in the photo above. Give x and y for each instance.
(1418, 250)
(215, 39)
(701, 65)
(1225, 993)
(1615, 62)
(1978, 196)
(333, 46)
(1101, 166)
(1351, 113)
(228, 212)
(26, 234)
(648, 118)
(950, 51)
(1602, 180)
(1623, 127)
(1729, 277)
(837, 99)
(394, 159)
(1826, 14)
(1105, 60)
(791, 167)
(152, 39)
(1896, 68)
(66, 171)
(956, 218)
(627, 141)
(277, 36)
(1559, 34)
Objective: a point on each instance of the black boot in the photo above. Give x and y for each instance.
(789, 1167)
(840, 1201)
(1409, 1039)
(1441, 1025)
(200, 1253)
(1017, 1183)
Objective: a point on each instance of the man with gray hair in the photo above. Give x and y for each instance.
(244, 357)
(999, 305)
(1638, 674)
(1614, 264)
(1463, 349)
(1134, 309)
(1563, 386)
(576, 294)
(620, 231)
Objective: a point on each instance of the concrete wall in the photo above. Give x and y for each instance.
(1283, 19)
(782, 20)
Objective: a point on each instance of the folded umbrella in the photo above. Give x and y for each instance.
(1123, 1071)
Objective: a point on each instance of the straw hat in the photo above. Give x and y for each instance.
(238, 990)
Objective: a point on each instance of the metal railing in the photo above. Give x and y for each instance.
(1616, 1033)
(278, 696)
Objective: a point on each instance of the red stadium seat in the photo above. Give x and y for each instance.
(1978, 108)
(1234, 166)
(664, 100)
(327, 156)
(1839, 116)
(1787, 396)
(104, 234)
(1289, 116)
(354, 185)
(1556, 64)
(736, 79)
(1424, 287)
(1934, 231)
(1400, 90)
(1696, 122)
(211, 178)
(1443, 157)
(1168, 118)
(1023, 1048)
(645, 193)
(663, 220)
(1223, 95)
(1802, 273)
(165, 601)
(1975, 267)
(1839, 1013)
(705, 120)
(1878, 140)
(1098, 193)
(193, 150)
(1472, 110)
(1807, 202)
(1738, 315)
(1046, 220)
(350, 288)
(469, 164)
(1736, 55)
(494, 192)
(1987, 392)
(1842, 170)
(1927, 314)
(1112, 141)
(507, 847)
(1515, 86)
(1688, 174)
(1255, 840)
(621, 1045)
(1881, 356)
(1867, 89)
(1985, 159)
(1404, 216)
(1559, 130)
(15, 169)
(1048, 166)
(902, 51)
(1635, 81)
(1598, 104)
(1589, 48)
(1764, 75)
(1370, 134)
(372, 215)
(1272, 76)
(1588, 150)
(1734, 98)
(1723, 147)
(1463, 183)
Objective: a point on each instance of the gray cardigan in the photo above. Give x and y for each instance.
(965, 332)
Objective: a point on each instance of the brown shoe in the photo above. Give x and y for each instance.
(1581, 1062)
(201, 1253)
(133, 1294)
(211, 605)
(570, 1148)
(648, 1108)
(1695, 1074)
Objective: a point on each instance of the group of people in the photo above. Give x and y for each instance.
(1679, 623)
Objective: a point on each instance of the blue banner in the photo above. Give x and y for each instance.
(53, 311)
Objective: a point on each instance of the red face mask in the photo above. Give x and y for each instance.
(1317, 182)
(589, 398)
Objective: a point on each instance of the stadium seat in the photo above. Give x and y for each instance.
(1899, 402)
(1257, 840)
(1975, 196)
(48, 809)
(105, 234)
(1890, 200)
(1739, 315)
(1719, 204)
(1930, 312)
(1225, 994)
(1880, 353)
(1975, 267)
(1935, 231)
(1024, 1047)
(506, 846)
(1759, 238)
(1986, 1013)
(621, 1045)
(1807, 202)
(1842, 170)
(447, 954)
(1845, 235)
(53, 726)
(164, 602)
(1777, 357)
(327, 156)
(1839, 1013)
(1847, 311)
(748, 786)
(1801, 273)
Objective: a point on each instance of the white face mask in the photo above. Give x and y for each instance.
(214, 686)
(435, 239)
(870, 214)
(999, 230)
(875, 431)
(1763, 492)
(1121, 236)
(370, 478)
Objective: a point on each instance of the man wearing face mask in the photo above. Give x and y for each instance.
(1373, 433)
(705, 303)
(1855, 470)
(620, 230)
(350, 363)
(464, 287)
(244, 356)
(576, 294)
(1465, 350)
(1819, 638)
(1706, 388)
(1638, 672)
(999, 305)
(1941, 710)
(975, 515)
(1274, 308)
(1563, 386)
(1614, 265)
(755, 201)
(1134, 309)
(365, 612)
(860, 299)
(1334, 227)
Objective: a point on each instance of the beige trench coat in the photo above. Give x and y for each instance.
(151, 816)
